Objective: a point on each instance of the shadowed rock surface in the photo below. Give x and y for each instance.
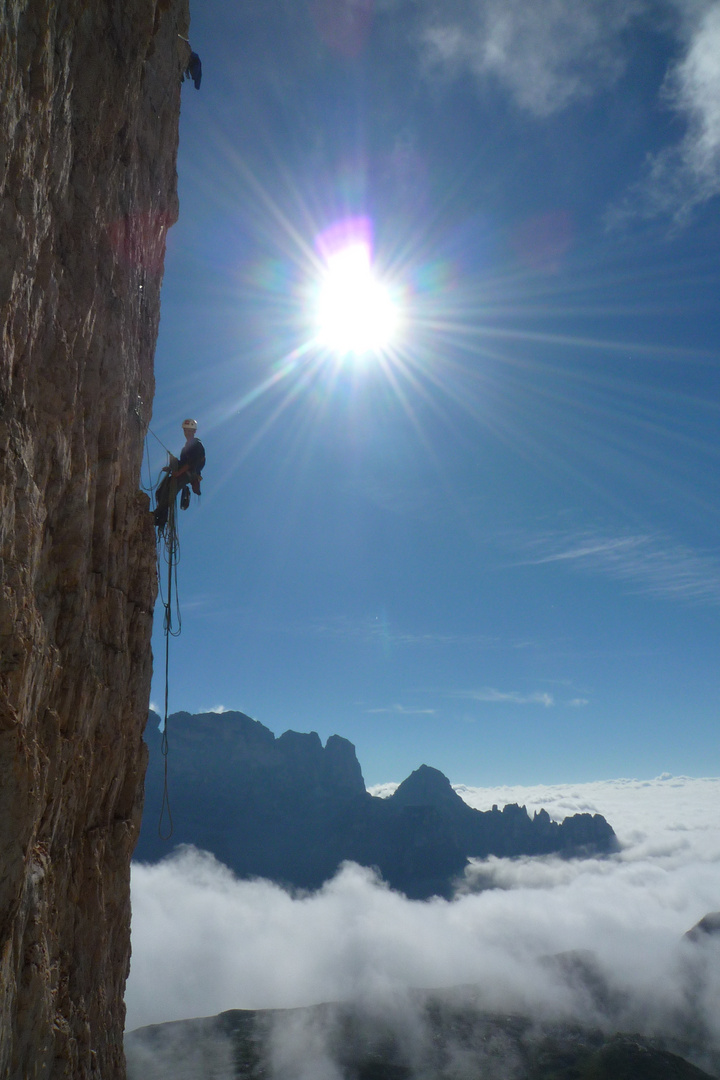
(708, 927)
(89, 99)
(291, 810)
(439, 1037)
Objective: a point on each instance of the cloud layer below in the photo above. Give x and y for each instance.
(204, 942)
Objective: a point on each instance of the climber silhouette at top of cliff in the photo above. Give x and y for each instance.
(193, 70)
(185, 470)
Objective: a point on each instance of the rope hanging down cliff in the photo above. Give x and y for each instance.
(182, 474)
(169, 544)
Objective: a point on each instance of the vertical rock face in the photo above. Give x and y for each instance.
(90, 93)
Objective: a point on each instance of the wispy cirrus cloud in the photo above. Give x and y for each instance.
(650, 564)
(546, 55)
(402, 710)
(686, 174)
(507, 697)
(489, 695)
(549, 55)
(429, 638)
(380, 629)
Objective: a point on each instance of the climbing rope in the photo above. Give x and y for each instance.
(150, 489)
(160, 441)
(168, 548)
(168, 541)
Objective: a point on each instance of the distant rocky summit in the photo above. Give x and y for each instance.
(292, 810)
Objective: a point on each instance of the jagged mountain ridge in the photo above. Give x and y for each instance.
(290, 810)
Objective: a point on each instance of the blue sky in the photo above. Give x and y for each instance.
(493, 547)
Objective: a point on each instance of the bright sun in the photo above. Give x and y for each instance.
(355, 313)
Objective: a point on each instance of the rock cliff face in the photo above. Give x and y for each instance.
(90, 97)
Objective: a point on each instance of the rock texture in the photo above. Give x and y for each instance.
(90, 97)
(291, 810)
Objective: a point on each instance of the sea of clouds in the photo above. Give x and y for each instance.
(204, 942)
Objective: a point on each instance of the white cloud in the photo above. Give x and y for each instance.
(379, 630)
(204, 941)
(588, 547)
(652, 565)
(383, 791)
(403, 710)
(545, 54)
(219, 709)
(683, 176)
(183, 1054)
(694, 87)
(551, 54)
(510, 697)
(661, 809)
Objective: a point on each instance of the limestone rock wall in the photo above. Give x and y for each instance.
(90, 98)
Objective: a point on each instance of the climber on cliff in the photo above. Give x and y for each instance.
(194, 70)
(192, 66)
(185, 470)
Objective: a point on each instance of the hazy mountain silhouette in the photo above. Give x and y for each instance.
(436, 1036)
(290, 810)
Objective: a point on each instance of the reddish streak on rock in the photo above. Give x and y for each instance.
(139, 239)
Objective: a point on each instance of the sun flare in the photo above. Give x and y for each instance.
(355, 312)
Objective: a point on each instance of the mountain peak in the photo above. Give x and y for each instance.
(426, 787)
